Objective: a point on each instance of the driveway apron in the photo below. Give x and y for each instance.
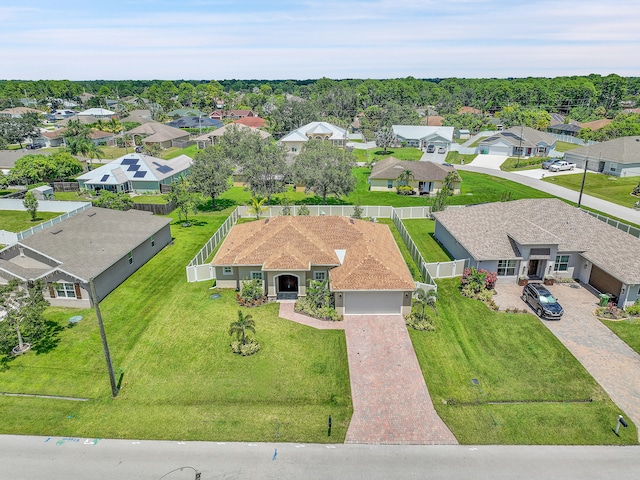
(613, 364)
(391, 403)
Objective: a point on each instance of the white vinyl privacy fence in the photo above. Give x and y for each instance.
(200, 269)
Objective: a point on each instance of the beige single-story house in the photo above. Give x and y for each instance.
(427, 177)
(294, 140)
(212, 138)
(155, 133)
(98, 244)
(541, 237)
(520, 140)
(17, 112)
(619, 157)
(361, 260)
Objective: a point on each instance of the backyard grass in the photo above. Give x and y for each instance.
(17, 221)
(421, 231)
(154, 199)
(530, 389)
(174, 152)
(403, 249)
(565, 146)
(627, 330)
(606, 187)
(169, 343)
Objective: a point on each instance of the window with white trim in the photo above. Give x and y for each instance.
(562, 263)
(256, 275)
(130, 257)
(227, 270)
(506, 268)
(65, 290)
(389, 183)
(153, 240)
(320, 276)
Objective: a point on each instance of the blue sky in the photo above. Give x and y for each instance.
(201, 39)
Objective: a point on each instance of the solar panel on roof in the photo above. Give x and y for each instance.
(104, 178)
(139, 174)
(165, 169)
(129, 161)
(133, 168)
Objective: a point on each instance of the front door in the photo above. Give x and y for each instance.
(533, 268)
(287, 283)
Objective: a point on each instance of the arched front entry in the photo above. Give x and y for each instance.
(287, 287)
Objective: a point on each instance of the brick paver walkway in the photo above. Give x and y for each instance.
(614, 365)
(391, 403)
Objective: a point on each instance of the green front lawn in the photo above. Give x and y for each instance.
(456, 157)
(514, 164)
(170, 347)
(606, 187)
(627, 330)
(530, 389)
(17, 221)
(376, 154)
(481, 188)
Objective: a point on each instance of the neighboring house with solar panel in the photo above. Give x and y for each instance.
(135, 173)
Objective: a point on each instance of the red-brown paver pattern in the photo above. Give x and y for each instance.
(609, 360)
(391, 402)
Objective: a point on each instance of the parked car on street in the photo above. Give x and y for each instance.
(547, 163)
(542, 301)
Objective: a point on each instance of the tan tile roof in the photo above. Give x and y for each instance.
(596, 124)
(485, 231)
(372, 260)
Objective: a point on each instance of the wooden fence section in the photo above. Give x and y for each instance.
(65, 186)
(156, 208)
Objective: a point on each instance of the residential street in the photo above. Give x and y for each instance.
(56, 458)
(608, 208)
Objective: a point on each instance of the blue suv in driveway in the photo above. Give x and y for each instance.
(541, 300)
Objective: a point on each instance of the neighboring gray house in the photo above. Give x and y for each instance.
(539, 237)
(98, 244)
(421, 136)
(619, 157)
(154, 133)
(135, 172)
(523, 141)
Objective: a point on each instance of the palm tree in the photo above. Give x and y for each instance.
(423, 299)
(256, 206)
(405, 177)
(241, 326)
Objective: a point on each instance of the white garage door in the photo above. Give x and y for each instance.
(373, 303)
(499, 150)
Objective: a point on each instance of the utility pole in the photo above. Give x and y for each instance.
(103, 336)
(520, 146)
(584, 177)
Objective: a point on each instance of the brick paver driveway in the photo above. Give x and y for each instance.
(391, 403)
(608, 359)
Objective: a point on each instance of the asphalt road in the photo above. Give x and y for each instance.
(53, 458)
